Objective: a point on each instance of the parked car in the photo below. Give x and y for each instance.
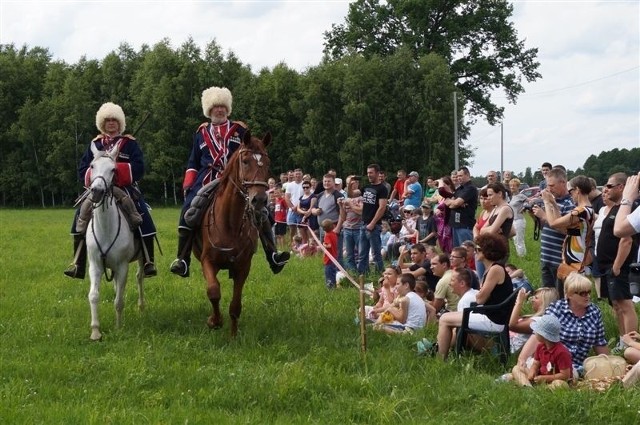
(531, 191)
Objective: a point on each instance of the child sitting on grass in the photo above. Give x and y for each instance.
(552, 362)
(331, 244)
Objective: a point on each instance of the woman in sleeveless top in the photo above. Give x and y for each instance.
(496, 287)
(501, 220)
(307, 202)
(481, 221)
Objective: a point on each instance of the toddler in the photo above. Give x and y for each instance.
(331, 244)
(552, 362)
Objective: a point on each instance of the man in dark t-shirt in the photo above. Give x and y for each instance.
(614, 258)
(374, 204)
(463, 206)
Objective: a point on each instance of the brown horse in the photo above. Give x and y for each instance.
(230, 225)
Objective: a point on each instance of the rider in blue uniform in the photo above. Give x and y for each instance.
(213, 145)
(110, 120)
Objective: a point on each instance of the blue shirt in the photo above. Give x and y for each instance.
(579, 334)
(414, 195)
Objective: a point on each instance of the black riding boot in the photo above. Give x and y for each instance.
(77, 268)
(180, 265)
(276, 259)
(149, 266)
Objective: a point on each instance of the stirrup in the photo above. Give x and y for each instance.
(150, 270)
(73, 271)
(280, 259)
(180, 267)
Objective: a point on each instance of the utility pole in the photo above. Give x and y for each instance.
(455, 131)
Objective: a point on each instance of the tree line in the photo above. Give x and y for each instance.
(383, 93)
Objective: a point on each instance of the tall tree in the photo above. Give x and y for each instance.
(475, 37)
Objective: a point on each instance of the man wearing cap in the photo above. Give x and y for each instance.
(213, 145)
(110, 121)
(413, 191)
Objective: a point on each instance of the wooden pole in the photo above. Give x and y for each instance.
(363, 330)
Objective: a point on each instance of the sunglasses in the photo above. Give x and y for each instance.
(306, 187)
(611, 186)
(584, 293)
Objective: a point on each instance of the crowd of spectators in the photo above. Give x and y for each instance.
(446, 245)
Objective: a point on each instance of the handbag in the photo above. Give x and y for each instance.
(604, 366)
(564, 269)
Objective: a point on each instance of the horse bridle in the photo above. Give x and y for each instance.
(242, 187)
(103, 253)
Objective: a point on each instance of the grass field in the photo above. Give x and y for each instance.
(297, 358)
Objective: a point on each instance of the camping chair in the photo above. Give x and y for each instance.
(501, 339)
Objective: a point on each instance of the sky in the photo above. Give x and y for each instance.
(587, 101)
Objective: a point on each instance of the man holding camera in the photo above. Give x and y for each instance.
(550, 239)
(615, 256)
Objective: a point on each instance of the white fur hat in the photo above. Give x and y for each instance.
(216, 96)
(110, 110)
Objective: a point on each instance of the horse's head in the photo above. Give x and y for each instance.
(103, 169)
(253, 171)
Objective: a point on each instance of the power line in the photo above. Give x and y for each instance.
(584, 83)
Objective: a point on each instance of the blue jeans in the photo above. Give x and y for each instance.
(330, 275)
(370, 240)
(461, 234)
(351, 239)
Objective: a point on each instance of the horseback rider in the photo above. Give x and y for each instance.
(110, 120)
(213, 145)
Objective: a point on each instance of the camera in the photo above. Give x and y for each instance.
(529, 204)
(357, 178)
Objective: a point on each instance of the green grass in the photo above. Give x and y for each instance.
(296, 359)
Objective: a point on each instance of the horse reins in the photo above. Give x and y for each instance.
(105, 205)
(242, 191)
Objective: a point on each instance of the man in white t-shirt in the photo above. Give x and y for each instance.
(293, 192)
(460, 283)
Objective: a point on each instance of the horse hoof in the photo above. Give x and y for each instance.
(214, 324)
(96, 335)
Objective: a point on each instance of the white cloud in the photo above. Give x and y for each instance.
(581, 43)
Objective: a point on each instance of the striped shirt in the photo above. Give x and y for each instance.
(551, 240)
(579, 334)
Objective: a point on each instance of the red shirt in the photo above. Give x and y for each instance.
(553, 360)
(280, 214)
(398, 186)
(330, 238)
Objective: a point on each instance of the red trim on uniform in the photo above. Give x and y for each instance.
(189, 178)
(123, 176)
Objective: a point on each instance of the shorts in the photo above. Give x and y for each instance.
(480, 322)
(293, 218)
(618, 286)
(281, 229)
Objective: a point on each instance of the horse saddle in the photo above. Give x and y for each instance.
(123, 201)
(200, 203)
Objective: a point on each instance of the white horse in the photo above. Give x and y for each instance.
(110, 241)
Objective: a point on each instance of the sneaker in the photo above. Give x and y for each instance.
(618, 350)
(426, 347)
(180, 267)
